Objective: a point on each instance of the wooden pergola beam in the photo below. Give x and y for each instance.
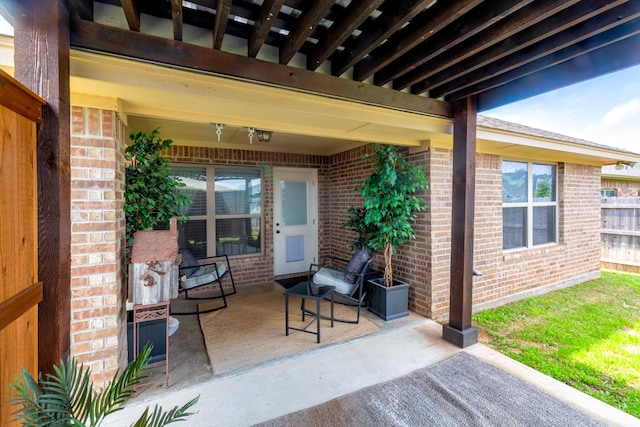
(544, 40)
(308, 23)
(356, 14)
(269, 11)
(220, 24)
(384, 28)
(444, 13)
(176, 17)
(102, 38)
(132, 13)
(486, 17)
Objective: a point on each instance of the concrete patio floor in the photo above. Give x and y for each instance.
(261, 393)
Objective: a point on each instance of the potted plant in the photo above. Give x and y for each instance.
(150, 196)
(151, 200)
(67, 397)
(387, 216)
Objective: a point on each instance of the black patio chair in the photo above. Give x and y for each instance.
(346, 276)
(196, 274)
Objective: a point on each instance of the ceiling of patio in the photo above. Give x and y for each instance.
(413, 57)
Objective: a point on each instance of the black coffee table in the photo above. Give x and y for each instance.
(303, 290)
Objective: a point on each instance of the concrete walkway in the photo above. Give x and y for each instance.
(262, 393)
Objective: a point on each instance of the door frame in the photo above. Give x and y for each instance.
(312, 174)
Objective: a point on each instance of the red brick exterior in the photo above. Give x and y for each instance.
(258, 269)
(98, 325)
(98, 312)
(622, 188)
(512, 275)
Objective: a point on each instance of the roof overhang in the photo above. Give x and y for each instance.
(522, 146)
(185, 104)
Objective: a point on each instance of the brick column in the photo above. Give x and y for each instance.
(98, 314)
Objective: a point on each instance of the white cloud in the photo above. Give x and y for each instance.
(621, 112)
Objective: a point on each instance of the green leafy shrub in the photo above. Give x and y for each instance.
(150, 195)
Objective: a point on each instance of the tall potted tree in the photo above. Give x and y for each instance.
(150, 196)
(389, 211)
(151, 200)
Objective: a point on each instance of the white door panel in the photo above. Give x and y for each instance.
(294, 219)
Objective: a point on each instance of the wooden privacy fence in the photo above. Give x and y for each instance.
(620, 233)
(20, 290)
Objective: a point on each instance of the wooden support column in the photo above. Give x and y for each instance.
(459, 329)
(41, 29)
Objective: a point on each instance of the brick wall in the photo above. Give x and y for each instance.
(258, 269)
(512, 275)
(347, 170)
(623, 188)
(97, 239)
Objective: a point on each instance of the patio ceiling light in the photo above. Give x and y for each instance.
(264, 135)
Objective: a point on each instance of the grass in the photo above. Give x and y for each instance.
(587, 336)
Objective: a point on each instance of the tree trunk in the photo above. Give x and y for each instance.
(388, 271)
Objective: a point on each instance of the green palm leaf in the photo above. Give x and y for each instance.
(159, 418)
(66, 397)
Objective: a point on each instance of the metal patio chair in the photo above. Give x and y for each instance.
(196, 274)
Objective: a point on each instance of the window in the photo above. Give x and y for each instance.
(225, 215)
(607, 193)
(529, 206)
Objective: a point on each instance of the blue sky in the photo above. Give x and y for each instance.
(605, 110)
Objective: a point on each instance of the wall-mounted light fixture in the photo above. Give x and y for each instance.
(264, 135)
(619, 166)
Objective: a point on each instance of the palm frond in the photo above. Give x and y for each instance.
(67, 398)
(159, 418)
(123, 385)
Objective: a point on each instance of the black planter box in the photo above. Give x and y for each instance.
(388, 303)
(153, 331)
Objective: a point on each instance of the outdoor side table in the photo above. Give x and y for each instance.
(303, 290)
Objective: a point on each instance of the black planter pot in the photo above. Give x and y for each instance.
(388, 303)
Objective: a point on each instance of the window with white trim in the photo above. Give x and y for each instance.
(529, 204)
(225, 215)
(606, 192)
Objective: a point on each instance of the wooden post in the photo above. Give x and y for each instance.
(459, 330)
(41, 29)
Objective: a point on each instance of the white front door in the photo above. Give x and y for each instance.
(295, 228)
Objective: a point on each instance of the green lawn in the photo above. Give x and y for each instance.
(587, 336)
